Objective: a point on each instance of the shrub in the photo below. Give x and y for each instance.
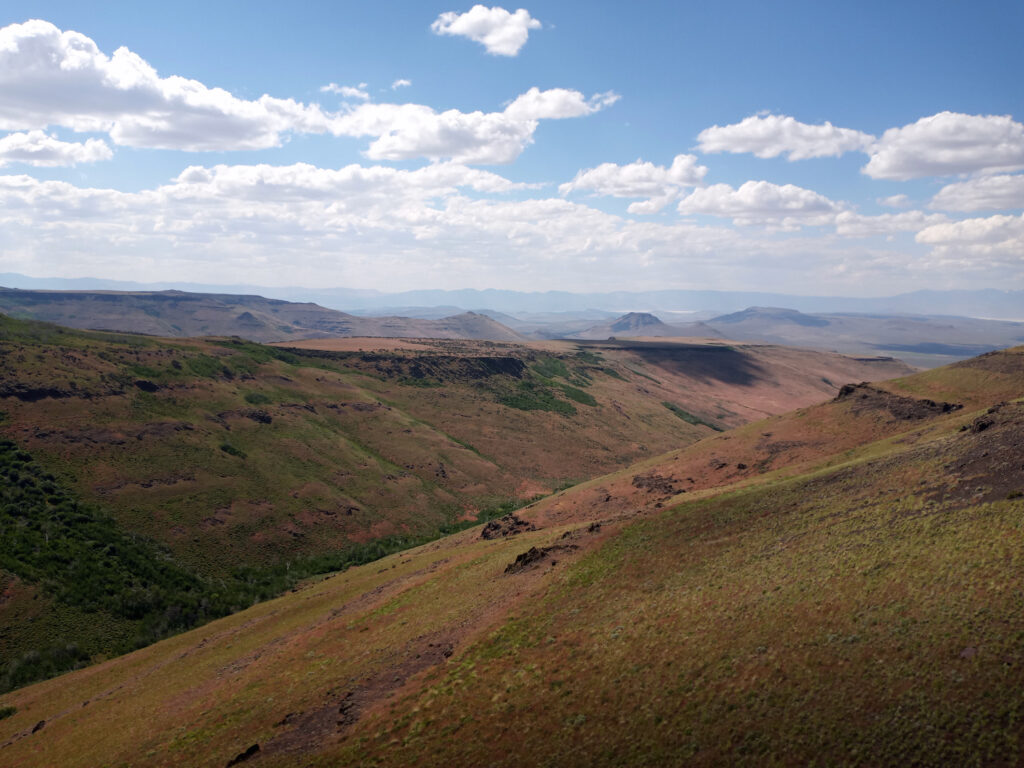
(229, 449)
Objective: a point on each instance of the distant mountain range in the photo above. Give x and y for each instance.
(990, 303)
(634, 324)
(180, 314)
(926, 341)
(923, 340)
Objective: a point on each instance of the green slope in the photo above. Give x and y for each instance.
(865, 609)
(867, 614)
(147, 486)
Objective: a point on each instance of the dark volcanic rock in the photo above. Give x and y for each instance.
(32, 394)
(258, 415)
(533, 556)
(243, 756)
(867, 398)
(655, 483)
(509, 525)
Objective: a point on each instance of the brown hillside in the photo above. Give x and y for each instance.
(226, 454)
(865, 604)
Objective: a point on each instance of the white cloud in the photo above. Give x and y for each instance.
(400, 83)
(895, 201)
(303, 181)
(761, 202)
(989, 247)
(985, 193)
(376, 225)
(556, 104)
(772, 135)
(659, 184)
(49, 77)
(978, 236)
(347, 91)
(851, 224)
(946, 144)
(405, 131)
(500, 32)
(40, 149)
(443, 225)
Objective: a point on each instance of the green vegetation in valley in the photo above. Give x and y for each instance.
(530, 395)
(578, 395)
(540, 392)
(82, 559)
(689, 418)
(550, 367)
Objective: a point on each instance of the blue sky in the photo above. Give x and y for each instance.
(801, 147)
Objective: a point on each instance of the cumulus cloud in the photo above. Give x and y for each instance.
(444, 225)
(303, 181)
(40, 149)
(946, 144)
(400, 83)
(659, 184)
(984, 193)
(405, 131)
(768, 136)
(557, 104)
(500, 32)
(761, 202)
(851, 224)
(49, 77)
(347, 91)
(988, 235)
(374, 224)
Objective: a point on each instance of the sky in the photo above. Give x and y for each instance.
(854, 149)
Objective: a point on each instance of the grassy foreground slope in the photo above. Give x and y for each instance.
(863, 608)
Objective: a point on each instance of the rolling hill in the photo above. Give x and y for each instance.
(180, 314)
(839, 584)
(225, 470)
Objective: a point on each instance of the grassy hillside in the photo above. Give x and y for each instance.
(228, 452)
(851, 596)
(176, 481)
